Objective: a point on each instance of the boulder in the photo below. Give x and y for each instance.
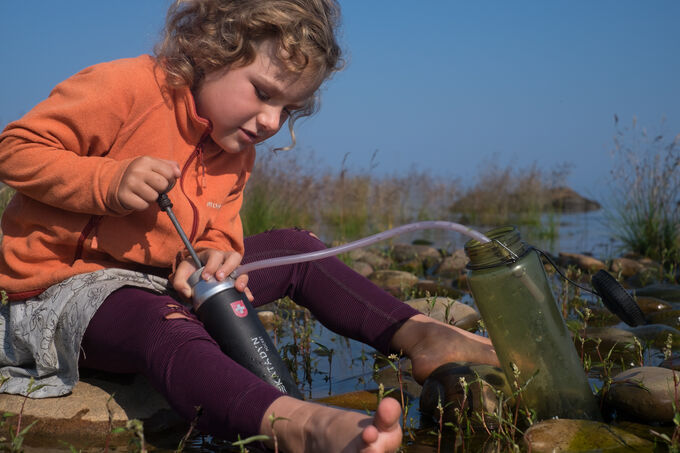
(564, 199)
(644, 394)
(663, 291)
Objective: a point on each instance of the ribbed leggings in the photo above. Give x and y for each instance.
(134, 331)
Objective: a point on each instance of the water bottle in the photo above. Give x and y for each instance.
(511, 290)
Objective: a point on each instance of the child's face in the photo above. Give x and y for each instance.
(249, 104)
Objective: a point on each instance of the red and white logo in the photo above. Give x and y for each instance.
(239, 308)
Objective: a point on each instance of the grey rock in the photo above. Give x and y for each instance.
(452, 266)
(394, 282)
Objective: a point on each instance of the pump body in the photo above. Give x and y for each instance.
(231, 320)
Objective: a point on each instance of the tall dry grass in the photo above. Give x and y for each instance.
(292, 189)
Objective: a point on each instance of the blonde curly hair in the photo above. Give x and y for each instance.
(201, 36)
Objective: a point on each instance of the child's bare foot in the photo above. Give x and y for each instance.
(430, 343)
(311, 427)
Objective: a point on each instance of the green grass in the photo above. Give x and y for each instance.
(644, 213)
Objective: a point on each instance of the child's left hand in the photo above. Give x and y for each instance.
(218, 265)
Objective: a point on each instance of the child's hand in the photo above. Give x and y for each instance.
(218, 264)
(146, 178)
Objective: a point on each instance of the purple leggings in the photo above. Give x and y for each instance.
(131, 333)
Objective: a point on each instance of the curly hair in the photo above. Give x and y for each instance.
(201, 36)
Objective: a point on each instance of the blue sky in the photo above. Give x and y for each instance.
(443, 87)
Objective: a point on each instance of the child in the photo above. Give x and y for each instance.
(87, 254)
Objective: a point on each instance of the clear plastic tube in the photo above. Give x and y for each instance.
(311, 256)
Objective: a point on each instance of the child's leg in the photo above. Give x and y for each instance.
(339, 298)
(138, 331)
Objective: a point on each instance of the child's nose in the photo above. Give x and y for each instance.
(269, 119)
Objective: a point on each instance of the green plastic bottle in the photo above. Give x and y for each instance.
(512, 293)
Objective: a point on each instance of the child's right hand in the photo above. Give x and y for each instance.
(144, 180)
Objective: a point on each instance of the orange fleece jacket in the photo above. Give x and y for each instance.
(67, 156)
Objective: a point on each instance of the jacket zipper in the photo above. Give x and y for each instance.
(198, 152)
(91, 225)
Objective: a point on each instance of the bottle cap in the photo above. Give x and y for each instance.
(617, 299)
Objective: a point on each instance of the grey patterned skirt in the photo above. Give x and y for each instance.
(41, 336)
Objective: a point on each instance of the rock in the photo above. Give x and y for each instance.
(625, 266)
(437, 289)
(361, 400)
(656, 335)
(650, 305)
(386, 375)
(672, 363)
(362, 268)
(444, 385)
(269, 319)
(620, 342)
(376, 260)
(448, 311)
(644, 394)
(583, 262)
(394, 282)
(452, 266)
(663, 291)
(425, 255)
(564, 199)
(564, 435)
(667, 317)
(82, 418)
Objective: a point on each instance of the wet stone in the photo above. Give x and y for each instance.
(620, 342)
(667, 317)
(564, 435)
(362, 400)
(643, 394)
(657, 335)
(650, 305)
(448, 311)
(444, 386)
